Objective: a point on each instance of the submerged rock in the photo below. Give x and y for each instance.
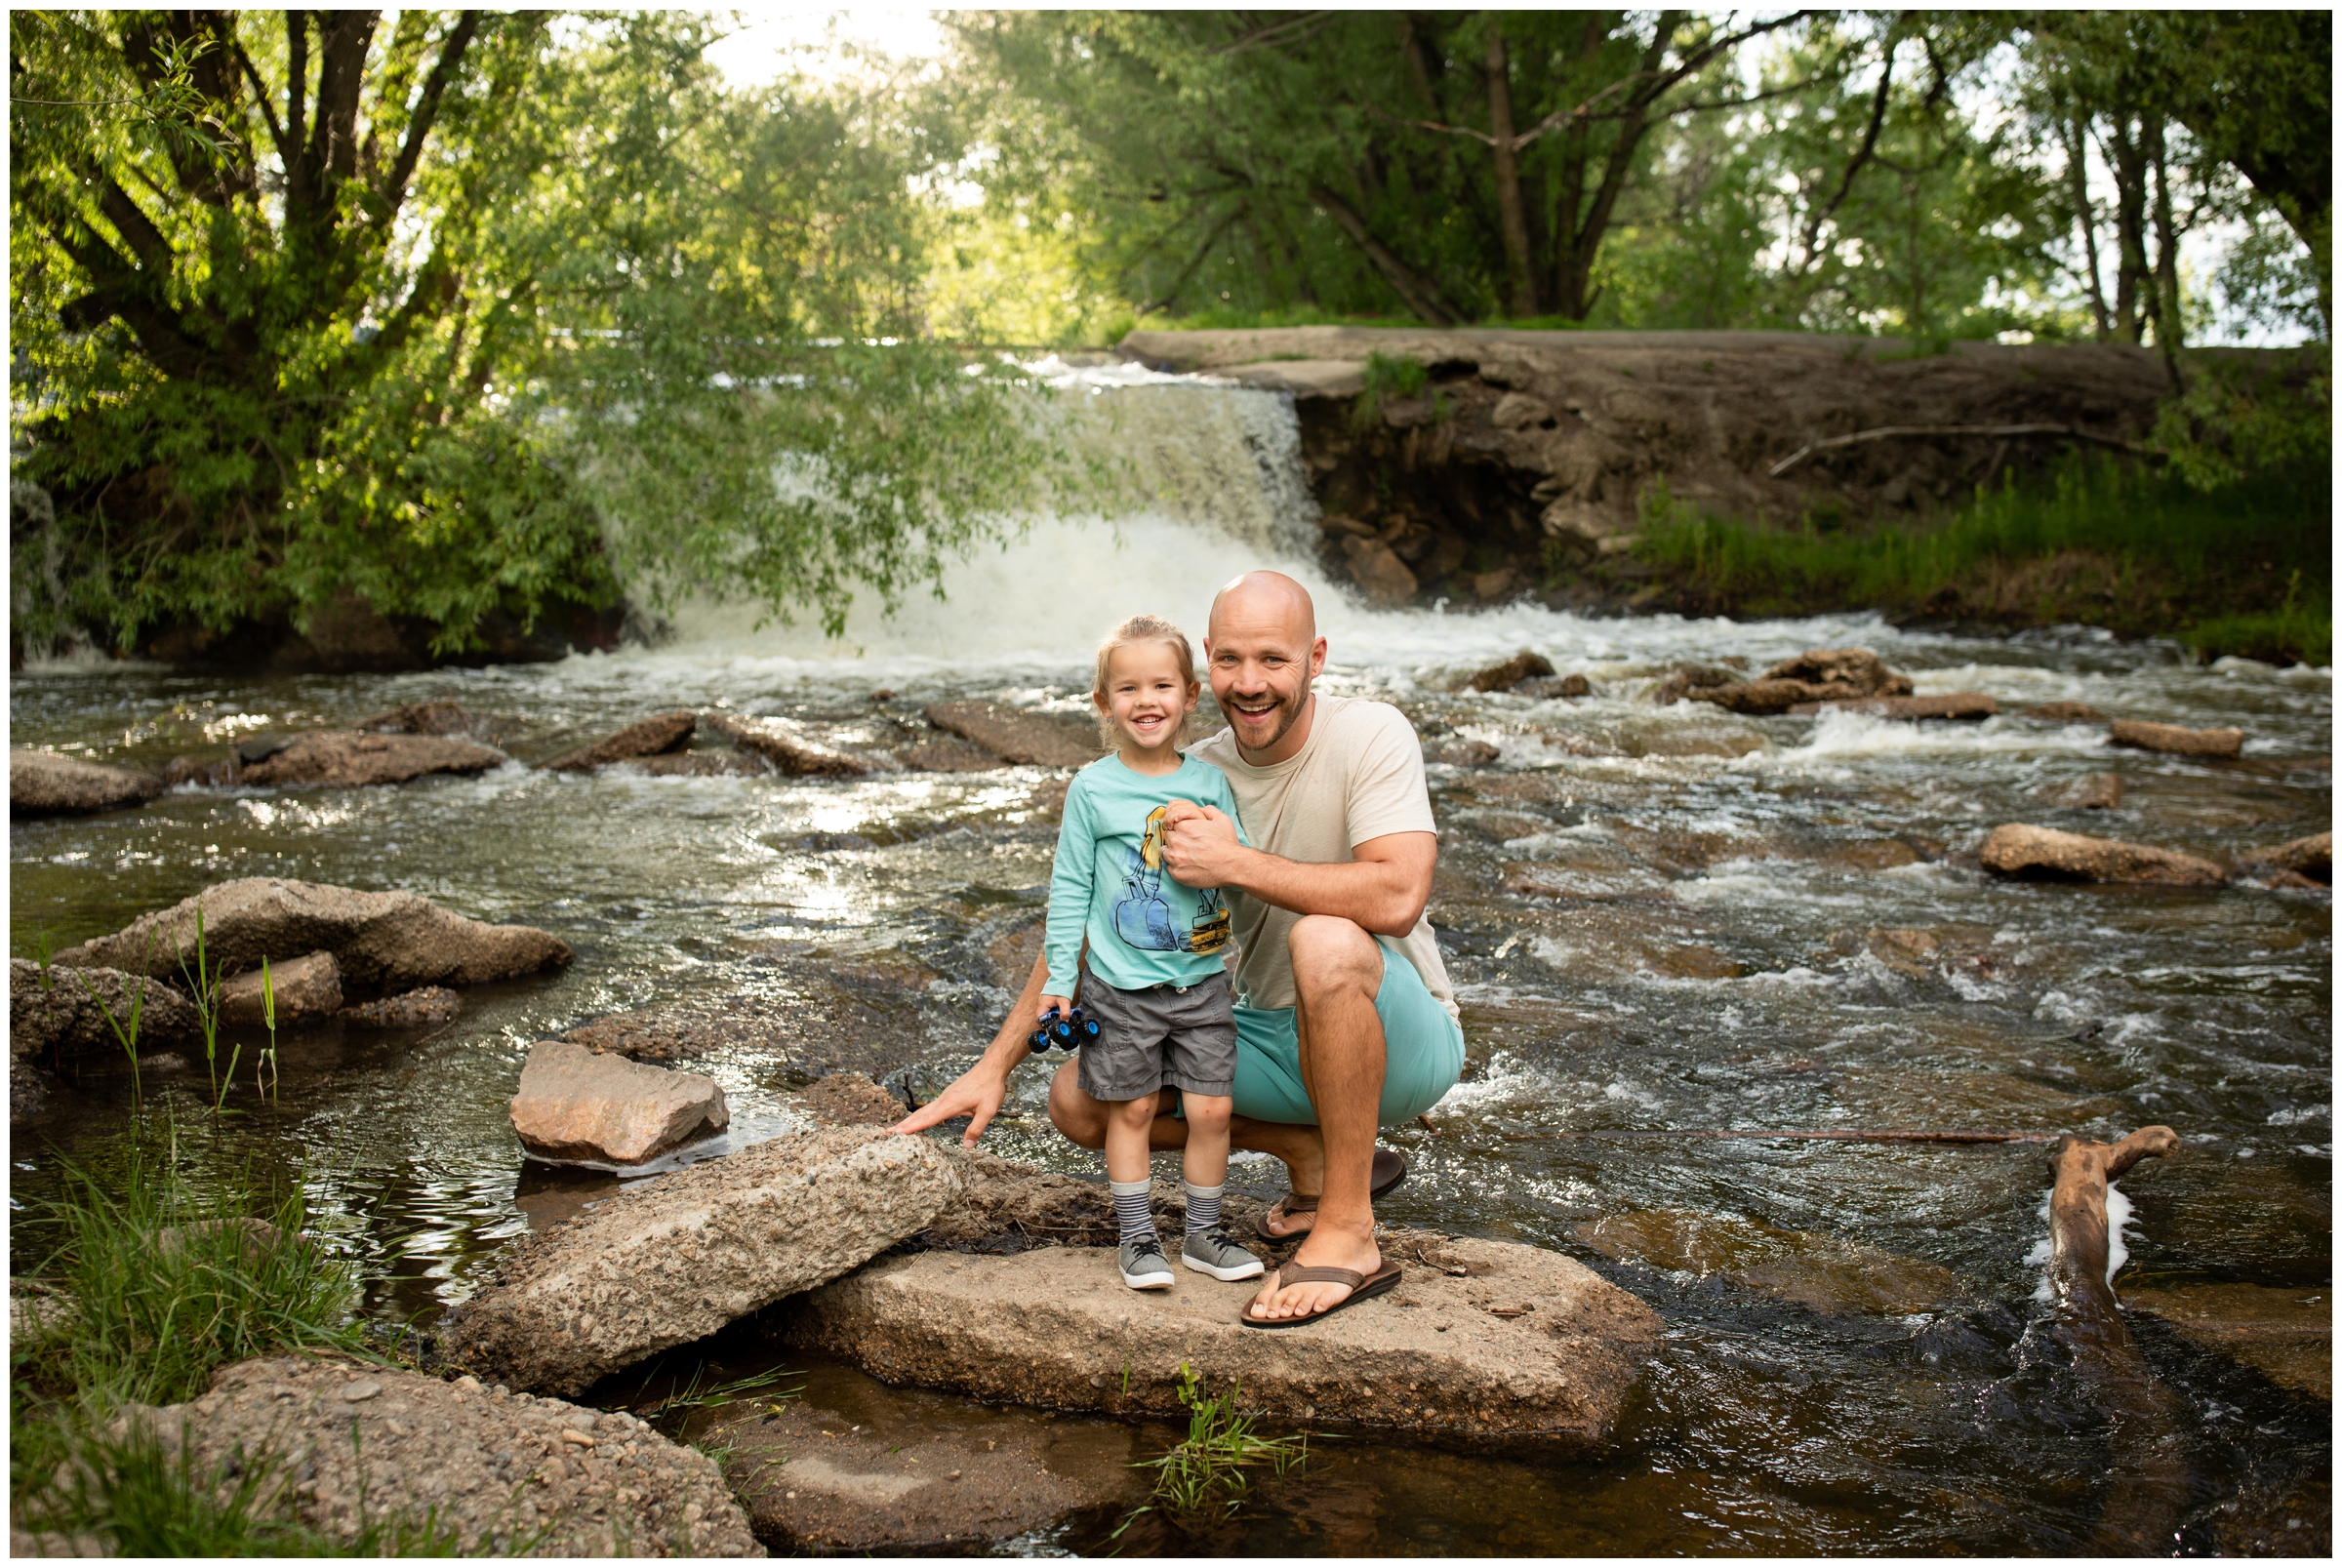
(1462, 754)
(854, 1466)
(2065, 713)
(1017, 735)
(304, 987)
(670, 1260)
(2090, 792)
(2286, 1335)
(1544, 688)
(2017, 850)
(1821, 1273)
(1481, 1342)
(506, 1472)
(391, 942)
(1949, 706)
(948, 754)
(787, 746)
(644, 738)
(350, 758)
(65, 1018)
(2312, 856)
(579, 1104)
(415, 1009)
(2175, 738)
(700, 765)
(1511, 674)
(43, 783)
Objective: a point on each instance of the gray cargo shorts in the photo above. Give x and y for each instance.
(1161, 1037)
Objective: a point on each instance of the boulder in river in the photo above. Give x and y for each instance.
(644, 738)
(2287, 1335)
(387, 941)
(305, 988)
(2090, 792)
(787, 746)
(2016, 849)
(43, 783)
(1817, 675)
(1018, 736)
(1462, 754)
(1504, 677)
(1375, 567)
(62, 1018)
(667, 1262)
(351, 758)
(576, 1105)
(1544, 688)
(1481, 1341)
(851, 1467)
(947, 753)
(2177, 739)
(2312, 856)
(1945, 705)
(506, 1472)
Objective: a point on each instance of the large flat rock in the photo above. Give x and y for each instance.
(1016, 735)
(506, 1473)
(389, 941)
(1482, 1342)
(655, 736)
(2312, 856)
(2019, 850)
(2177, 739)
(670, 1260)
(44, 784)
(579, 1104)
(787, 746)
(352, 759)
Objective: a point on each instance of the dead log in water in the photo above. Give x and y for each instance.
(2147, 1493)
(1890, 1135)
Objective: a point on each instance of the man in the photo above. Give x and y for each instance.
(1346, 1020)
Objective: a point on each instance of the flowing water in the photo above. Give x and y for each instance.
(1658, 918)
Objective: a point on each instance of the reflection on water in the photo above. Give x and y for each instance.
(1657, 919)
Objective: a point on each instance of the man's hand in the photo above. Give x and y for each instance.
(975, 1094)
(1199, 845)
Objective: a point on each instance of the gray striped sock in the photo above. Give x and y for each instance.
(1132, 1211)
(1203, 1206)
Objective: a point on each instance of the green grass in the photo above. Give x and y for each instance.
(2244, 569)
(124, 1317)
(1203, 1477)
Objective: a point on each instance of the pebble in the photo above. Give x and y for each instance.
(358, 1391)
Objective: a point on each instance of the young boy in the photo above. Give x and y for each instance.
(1153, 980)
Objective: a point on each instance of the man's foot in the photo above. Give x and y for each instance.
(1212, 1252)
(1144, 1265)
(1296, 1213)
(1336, 1249)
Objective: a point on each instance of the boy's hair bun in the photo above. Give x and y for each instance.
(1137, 629)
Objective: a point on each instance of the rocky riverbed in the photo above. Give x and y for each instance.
(1666, 917)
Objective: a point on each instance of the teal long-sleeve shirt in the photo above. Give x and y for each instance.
(1109, 882)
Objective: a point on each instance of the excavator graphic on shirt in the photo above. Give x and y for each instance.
(1143, 917)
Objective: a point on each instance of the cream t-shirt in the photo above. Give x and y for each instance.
(1359, 775)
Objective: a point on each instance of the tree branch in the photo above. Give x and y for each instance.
(1891, 431)
(1186, 273)
(259, 93)
(1276, 34)
(129, 219)
(418, 126)
(1421, 294)
(1862, 155)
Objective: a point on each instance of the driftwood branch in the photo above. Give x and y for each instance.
(1876, 1136)
(1888, 431)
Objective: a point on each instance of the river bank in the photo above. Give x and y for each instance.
(1784, 473)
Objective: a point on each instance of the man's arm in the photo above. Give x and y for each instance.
(1385, 888)
(976, 1093)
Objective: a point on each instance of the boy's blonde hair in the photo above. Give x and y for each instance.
(1138, 629)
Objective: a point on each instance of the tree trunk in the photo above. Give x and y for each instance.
(2075, 131)
(1520, 281)
(2130, 226)
(1421, 294)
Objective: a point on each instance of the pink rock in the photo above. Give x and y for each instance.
(580, 1104)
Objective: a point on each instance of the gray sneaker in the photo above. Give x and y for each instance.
(1144, 1265)
(1211, 1252)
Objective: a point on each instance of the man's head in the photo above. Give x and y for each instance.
(1263, 651)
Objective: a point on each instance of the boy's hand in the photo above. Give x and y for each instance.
(1060, 1005)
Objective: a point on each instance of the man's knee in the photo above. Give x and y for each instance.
(1074, 1113)
(1331, 954)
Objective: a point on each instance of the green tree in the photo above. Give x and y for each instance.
(470, 316)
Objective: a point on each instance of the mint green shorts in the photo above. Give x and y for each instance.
(1422, 1053)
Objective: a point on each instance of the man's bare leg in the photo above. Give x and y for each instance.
(1337, 970)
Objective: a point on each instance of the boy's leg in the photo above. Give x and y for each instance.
(1141, 1253)
(1207, 1247)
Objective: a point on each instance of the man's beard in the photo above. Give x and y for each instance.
(1289, 713)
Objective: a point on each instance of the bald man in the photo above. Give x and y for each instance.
(1344, 1017)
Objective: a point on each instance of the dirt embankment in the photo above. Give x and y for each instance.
(1524, 460)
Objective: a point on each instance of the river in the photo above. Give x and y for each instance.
(1657, 918)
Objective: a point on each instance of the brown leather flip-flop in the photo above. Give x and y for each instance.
(1388, 1171)
(1361, 1286)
